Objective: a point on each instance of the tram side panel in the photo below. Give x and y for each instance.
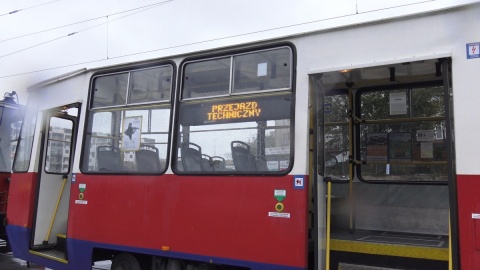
(222, 220)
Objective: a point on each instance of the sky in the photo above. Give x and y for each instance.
(41, 39)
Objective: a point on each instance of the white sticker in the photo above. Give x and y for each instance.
(80, 202)
(475, 216)
(280, 192)
(279, 215)
(262, 69)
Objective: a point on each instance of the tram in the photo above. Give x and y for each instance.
(352, 148)
(11, 116)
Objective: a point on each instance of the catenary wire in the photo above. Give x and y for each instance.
(18, 10)
(85, 29)
(92, 19)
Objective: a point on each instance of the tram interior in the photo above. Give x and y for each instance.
(385, 152)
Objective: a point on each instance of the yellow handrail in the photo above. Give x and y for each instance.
(327, 251)
(56, 209)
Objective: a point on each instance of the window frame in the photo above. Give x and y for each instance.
(230, 97)
(86, 153)
(358, 143)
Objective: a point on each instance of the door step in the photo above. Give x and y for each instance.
(51, 254)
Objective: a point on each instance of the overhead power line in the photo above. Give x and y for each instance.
(92, 19)
(18, 10)
(86, 29)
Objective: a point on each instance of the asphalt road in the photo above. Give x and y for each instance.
(8, 262)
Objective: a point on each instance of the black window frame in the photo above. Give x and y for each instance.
(235, 96)
(85, 153)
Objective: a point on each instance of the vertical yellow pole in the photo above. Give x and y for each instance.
(56, 209)
(450, 263)
(327, 251)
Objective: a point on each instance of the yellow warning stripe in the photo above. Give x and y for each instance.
(417, 252)
(48, 256)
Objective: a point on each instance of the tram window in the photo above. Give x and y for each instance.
(233, 140)
(400, 143)
(265, 70)
(206, 78)
(25, 141)
(57, 160)
(145, 89)
(110, 90)
(241, 129)
(336, 135)
(133, 139)
(10, 123)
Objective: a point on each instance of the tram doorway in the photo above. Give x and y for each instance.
(54, 172)
(384, 153)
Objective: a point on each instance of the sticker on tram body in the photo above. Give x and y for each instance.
(299, 182)
(473, 50)
(279, 215)
(74, 177)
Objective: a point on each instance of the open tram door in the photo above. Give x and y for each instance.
(385, 184)
(59, 130)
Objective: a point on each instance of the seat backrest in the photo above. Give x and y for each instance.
(242, 159)
(147, 159)
(109, 159)
(218, 163)
(207, 163)
(192, 157)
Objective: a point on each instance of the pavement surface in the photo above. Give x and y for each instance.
(8, 262)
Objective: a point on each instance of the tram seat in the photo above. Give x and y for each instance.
(242, 159)
(147, 159)
(207, 163)
(109, 159)
(192, 157)
(218, 164)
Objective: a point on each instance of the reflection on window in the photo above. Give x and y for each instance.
(24, 150)
(57, 160)
(206, 78)
(336, 136)
(132, 139)
(10, 123)
(264, 70)
(235, 136)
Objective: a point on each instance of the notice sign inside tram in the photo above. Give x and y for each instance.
(132, 128)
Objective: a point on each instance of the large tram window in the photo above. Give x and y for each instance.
(25, 141)
(228, 123)
(402, 138)
(131, 138)
(58, 146)
(265, 70)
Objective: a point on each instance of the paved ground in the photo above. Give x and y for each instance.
(8, 262)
